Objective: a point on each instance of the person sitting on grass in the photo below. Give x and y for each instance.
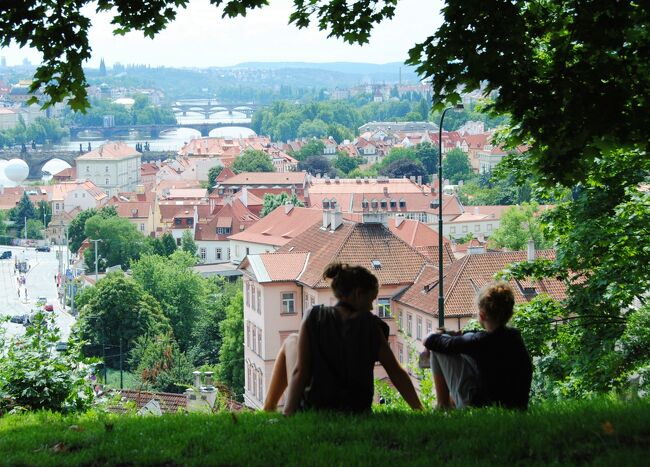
(332, 359)
(490, 367)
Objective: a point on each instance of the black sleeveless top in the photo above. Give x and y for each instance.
(343, 356)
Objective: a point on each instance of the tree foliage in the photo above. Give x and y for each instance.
(231, 355)
(35, 377)
(117, 307)
(404, 168)
(24, 210)
(252, 160)
(77, 227)
(160, 364)
(518, 225)
(456, 166)
(121, 242)
(272, 202)
(181, 292)
(316, 165)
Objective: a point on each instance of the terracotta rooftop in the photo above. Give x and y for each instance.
(465, 277)
(279, 227)
(266, 178)
(110, 151)
(395, 262)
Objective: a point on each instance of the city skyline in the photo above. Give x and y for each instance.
(199, 37)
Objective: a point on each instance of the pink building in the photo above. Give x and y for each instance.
(279, 287)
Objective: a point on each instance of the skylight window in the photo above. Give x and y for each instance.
(376, 264)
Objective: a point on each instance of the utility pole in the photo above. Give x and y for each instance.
(96, 259)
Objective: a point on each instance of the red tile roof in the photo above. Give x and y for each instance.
(356, 244)
(279, 227)
(110, 151)
(465, 277)
(266, 178)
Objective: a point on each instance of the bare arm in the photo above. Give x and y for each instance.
(398, 375)
(302, 372)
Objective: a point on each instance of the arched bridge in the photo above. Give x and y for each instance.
(153, 130)
(209, 107)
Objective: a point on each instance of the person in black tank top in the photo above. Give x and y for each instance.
(336, 350)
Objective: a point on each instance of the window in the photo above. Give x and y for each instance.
(223, 230)
(248, 334)
(248, 294)
(400, 320)
(227, 253)
(217, 253)
(464, 229)
(400, 353)
(383, 204)
(76, 195)
(260, 388)
(203, 253)
(429, 327)
(418, 328)
(477, 228)
(249, 380)
(253, 307)
(108, 181)
(87, 168)
(409, 324)
(259, 301)
(106, 169)
(254, 339)
(141, 227)
(452, 229)
(259, 342)
(489, 227)
(190, 222)
(255, 384)
(383, 307)
(177, 221)
(402, 203)
(288, 305)
(178, 242)
(57, 206)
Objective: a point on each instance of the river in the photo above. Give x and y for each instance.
(171, 140)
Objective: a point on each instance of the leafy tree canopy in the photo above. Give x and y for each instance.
(24, 210)
(77, 228)
(316, 165)
(118, 307)
(272, 202)
(405, 168)
(456, 166)
(252, 160)
(314, 147)
(518, 225)
(181, 292)
(231, 355)
(120, 243)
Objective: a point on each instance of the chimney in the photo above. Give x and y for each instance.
(476, 210)
(336, 217)
(531, 250)
(288, 207)
(244, 196)
(208, 392)
(386, 191)
(399, 220)
(326, 219)
(412, 178)
(419, 179)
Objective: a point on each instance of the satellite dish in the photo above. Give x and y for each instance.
(16, 170)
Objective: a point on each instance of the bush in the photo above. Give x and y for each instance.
(33, 375)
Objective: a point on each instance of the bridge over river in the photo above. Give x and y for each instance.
(154, 130)
(37, 159)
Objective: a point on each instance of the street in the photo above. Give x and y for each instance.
(39, 282)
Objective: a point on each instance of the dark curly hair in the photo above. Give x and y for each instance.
(346, 279)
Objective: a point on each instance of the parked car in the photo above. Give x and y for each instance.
(48, 307)
(61, 346)
(19, 319)
(45, 248)
(40, 301)
(5, 255)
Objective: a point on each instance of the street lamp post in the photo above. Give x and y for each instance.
(96, 241)
(441, 295)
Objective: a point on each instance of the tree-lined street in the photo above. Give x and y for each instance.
(39, 282)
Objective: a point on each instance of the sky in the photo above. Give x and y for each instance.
(201, 38)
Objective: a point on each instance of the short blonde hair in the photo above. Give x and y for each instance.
(497, 300)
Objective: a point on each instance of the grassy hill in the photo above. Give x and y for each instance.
(576, 433)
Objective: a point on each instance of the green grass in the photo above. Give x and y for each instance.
(576, 433)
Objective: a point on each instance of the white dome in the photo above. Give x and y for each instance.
(16, 170)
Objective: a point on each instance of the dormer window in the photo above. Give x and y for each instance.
(223, 230)
(373, 203)
(393, 203)
(383, 204)
(402, 203)
(364, 204)
(326, 204)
